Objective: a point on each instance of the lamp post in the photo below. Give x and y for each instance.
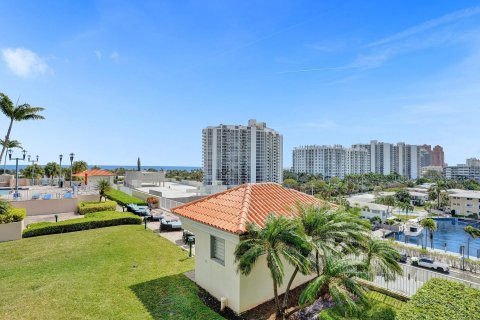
(71, 167)
(60, 174)
(24, 153)
(33, 168)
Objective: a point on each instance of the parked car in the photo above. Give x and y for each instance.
(402, 258)
(431, 264)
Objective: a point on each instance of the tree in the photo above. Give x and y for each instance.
(103, 186)
(403, 196)
(388, 201)
(29, 171)
(5, 207)
(331, 231)
(430, 225)
(380, 257)
(11, 144)
(52, 169)
(279, 238)
(139, 164)
(473, 233)
(290, 183)
(79, 166)
(437, 191)
(339, 282)
(405, 206)
(16, 114)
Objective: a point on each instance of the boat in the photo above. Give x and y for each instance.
(412, 228)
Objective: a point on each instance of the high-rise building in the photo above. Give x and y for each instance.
(426, 156)
(473, 162)
(236, 154)
(377, 157)
(328, 161)
(438, 157)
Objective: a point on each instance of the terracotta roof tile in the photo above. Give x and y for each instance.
(233, 209)
(94, 173)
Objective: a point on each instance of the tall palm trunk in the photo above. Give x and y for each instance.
(5, 163)
(6, 138)
(277, 301)
(287, 290)
(317, 262)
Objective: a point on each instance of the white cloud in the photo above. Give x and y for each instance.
(115, 56)
(24, 63)
(98, 53)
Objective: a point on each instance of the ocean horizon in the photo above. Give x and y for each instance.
(112, 167)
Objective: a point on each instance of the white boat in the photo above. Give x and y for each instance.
(412, 228)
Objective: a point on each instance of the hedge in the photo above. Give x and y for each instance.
(442, 299)
(13, 215)
(91, 221)
(123, 199)
(87, 207)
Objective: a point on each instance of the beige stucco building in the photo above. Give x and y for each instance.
(218, 222)
(464, 202)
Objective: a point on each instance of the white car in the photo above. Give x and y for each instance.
(431, 264)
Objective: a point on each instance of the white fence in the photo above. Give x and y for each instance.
(414, 278)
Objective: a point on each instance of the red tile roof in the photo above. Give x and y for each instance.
(232, 209)
(94, 173)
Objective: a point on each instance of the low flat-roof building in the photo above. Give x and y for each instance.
(464, 202)
(370, 210)
(218, 222)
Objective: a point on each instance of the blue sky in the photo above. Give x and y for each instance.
(122, 79)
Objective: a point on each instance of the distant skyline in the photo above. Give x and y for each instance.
(122, 79)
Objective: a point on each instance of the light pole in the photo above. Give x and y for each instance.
(10, 152)
(33, 168)
(60, 174)
(71, 167)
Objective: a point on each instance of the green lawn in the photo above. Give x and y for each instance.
(122, 272)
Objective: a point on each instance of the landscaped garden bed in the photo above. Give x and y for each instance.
(92, 220)
(123, 199)
(11, 221)
(442, 299)
(95, 206)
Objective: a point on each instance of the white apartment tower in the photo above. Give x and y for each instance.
(376, 157)
(235, 154)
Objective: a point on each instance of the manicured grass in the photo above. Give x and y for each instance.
(123, 199)
(122, 272)
(404, 217)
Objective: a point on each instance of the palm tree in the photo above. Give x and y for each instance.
(382, 258)
(9, 145)
(339, 283)
(431, 226)
(331, 231)
(17, 113)
(405, 206)
(103, 186)
(473, 233)
(279, 238)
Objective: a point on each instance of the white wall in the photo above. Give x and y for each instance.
(39, 207)
(243, 292)
(219, 280)
(11, 231)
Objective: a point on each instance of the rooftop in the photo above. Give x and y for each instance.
(94, 173)
(233, 209)
(173, 190)
(465, 193)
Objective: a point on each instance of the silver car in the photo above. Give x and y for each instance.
(431, 264)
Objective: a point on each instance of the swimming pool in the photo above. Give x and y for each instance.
(449, 233)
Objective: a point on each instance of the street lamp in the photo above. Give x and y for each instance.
(24, 153)
(71, 167)
(60, 174)
(33, 169)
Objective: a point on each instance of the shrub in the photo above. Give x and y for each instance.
(91, 221)
(442, 299)
(123, 199)
(87, 207)
(13, 215)
(152, 200)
